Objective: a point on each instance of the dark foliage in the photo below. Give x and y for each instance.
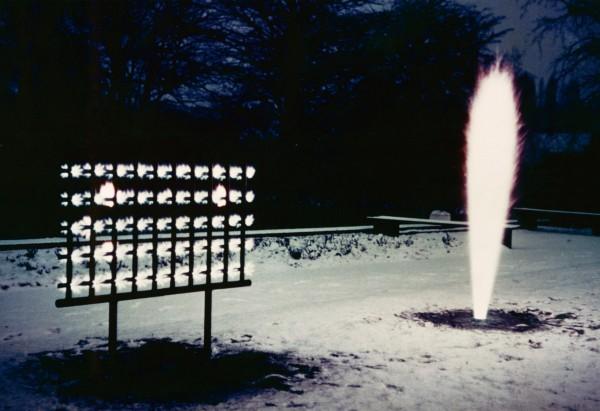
(566, 105)
(347, 107)
(575, 23)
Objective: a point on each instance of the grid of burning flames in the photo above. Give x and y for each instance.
(145, 227)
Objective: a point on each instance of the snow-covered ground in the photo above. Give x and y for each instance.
(341, 305)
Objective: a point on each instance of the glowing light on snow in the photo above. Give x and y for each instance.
(219, 172)
(217, 246)
(83, 170)
(201, 172)
(164, 248)
(80, 255)
(492, 148)
(104, 252)
(144, 280)
(82, 227)
(182, 197)
(249, 269)
(182, 223)
(181, 248)
(200, 246)
(65, 171)
(65, 198)
(80, 199)
(145, 171)
(144, 224)
(144, 249)
(125, 170)
(236, 172)
(235, 220)
(163, 280)
(125, 196)
(217, 269)
(101, 225)
(101, 170)
(165, 196)
(145, 197)
(125, 224)
(76, 171)
(235, 196)
(218, 221)
(164, 171)
(79, 287)
(234, 245)
(219, 196)
(102, 284)
(200, 222)
(105, 196)
(163, 224)
(111, 190)
(201, 197)
(123, 250)
(183, 171)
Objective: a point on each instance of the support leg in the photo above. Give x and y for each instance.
(507, 239)
(207, 323)
(386, 228)
(112, 327)
(528, 222)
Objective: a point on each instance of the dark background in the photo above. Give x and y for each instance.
(347, 107)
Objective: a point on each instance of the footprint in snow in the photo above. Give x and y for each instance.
(535, 344)
(11, 336)
(371, 319)
(508, 357)
(394, 387)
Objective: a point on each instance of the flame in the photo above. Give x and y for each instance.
(219, 196)
(492, 151)
(105, 196)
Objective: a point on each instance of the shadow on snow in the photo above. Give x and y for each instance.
(160, 370)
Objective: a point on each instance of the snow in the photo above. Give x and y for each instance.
(341, 303)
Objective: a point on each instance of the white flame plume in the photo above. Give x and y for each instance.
(492, 151)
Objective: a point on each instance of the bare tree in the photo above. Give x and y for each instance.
(270, 52)
(576, 23)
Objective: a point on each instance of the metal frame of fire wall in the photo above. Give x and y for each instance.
(91, 183)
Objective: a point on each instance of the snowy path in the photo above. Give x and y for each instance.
(342, 314)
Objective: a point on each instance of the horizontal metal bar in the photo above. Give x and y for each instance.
(556, 212)
(392, 219)
(53, 242)
(75, 301)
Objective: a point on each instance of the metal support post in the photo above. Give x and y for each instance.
(207, 323)
(112, 327)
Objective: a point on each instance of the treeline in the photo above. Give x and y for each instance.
(347, 107)
(561, 145)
